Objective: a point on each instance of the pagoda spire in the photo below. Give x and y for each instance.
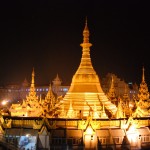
(70, 113)
(50, 97)
(32, 94)
(86, 64)
(142, 103)
(143, 90)
(86, 35)
(32, 87)
(85, 85)
(126, 96)
(57, 81)
(143, 75)
(33, 75)
(119, 113)
(111, 93)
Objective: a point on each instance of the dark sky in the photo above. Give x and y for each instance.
(46, 35)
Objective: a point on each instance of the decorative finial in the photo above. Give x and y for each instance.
(33, 74)
(143, 76)
(112, 81)
(86, 35)
(86, 21)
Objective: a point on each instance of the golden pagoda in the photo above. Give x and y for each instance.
(81, 119)
(85, 92)
(143, 90)
(30, 106)
(112, 94)
(143, 101)
(34, 106)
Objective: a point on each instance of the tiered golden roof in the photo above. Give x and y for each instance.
(143, 101)
(32, 97)
(143, 90)
(112, 94)
(32, 106)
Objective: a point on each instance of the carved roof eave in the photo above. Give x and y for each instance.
(44, 128)
(37, 123)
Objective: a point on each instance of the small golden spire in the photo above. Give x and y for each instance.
(143, 89)
(143, 76)
(33, 74)
(86, 21)
(112, 81)
(86, 35)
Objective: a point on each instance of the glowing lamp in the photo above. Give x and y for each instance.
(132, 135)
(89, 130)
(4, 102)
(89, 133)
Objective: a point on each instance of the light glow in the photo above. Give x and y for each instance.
(133, 135)
(4, 102)
(89, 130)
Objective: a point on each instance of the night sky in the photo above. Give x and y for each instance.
(46, 35)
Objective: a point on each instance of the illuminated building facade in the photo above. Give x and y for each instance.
(84, 118)
(16, 92)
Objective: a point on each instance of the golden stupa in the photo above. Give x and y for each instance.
(85, 96)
